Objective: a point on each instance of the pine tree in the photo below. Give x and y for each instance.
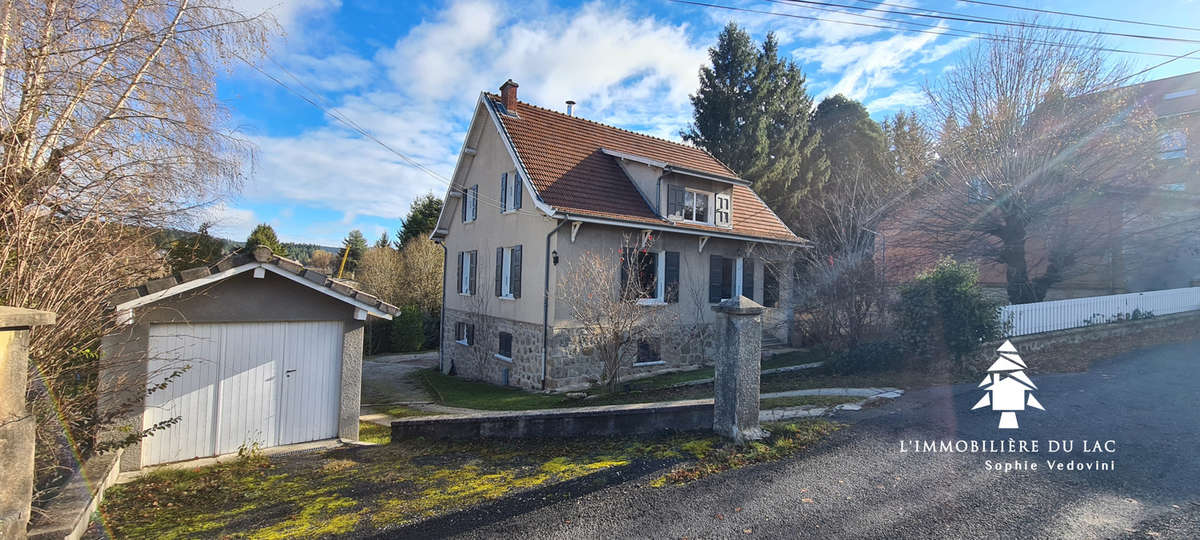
(422, 218)
(752, 113)
(264, 235)
(851, 141)
(910, 147)
(383, 241)
(356, 243)
(200, 249)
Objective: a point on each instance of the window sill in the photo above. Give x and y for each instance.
(509, 211)
(465, 294)
(463, 343)
(502, 358)
(651, 302)
(509, 298)
(654, 363)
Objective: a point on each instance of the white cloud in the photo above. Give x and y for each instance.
(905, 98)
(623, 69)
(336, 72)
(289, 14)
(863, 67)
(227, 222)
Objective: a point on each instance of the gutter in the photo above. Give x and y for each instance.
(545, 299)
(442, 324)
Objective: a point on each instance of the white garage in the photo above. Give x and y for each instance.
(260, 353)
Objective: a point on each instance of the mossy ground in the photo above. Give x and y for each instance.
(343, 491)
(786, 439)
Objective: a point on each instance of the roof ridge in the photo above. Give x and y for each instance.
(630, 131)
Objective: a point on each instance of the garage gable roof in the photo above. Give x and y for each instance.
(192, 278)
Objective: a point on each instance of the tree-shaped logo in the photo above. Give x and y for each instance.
(1008, 387)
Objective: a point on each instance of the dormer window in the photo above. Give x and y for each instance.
(687, 204)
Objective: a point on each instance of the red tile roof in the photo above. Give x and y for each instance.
(563, 157)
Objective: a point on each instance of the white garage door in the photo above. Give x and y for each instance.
(266, 383)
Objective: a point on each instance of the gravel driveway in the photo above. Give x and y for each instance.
(858, 484)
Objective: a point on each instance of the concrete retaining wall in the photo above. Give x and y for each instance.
(641, 418)
(1077, 348)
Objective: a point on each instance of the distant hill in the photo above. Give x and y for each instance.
(296, 250)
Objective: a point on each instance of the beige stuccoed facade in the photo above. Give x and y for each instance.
(566, 364)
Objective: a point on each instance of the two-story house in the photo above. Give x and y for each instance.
(535, 188)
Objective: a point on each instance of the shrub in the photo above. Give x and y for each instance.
(378, 338)
(408, 330)
(866, 357)
(944, 310)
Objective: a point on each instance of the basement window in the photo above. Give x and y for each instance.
(505, 353)
(648, 353)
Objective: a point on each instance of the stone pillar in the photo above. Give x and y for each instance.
(16, 424)
(738, 368)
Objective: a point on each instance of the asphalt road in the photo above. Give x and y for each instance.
(858, 483)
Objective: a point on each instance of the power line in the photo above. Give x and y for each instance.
(1154, 67)
(1000, 22)
(354, 126)
(949, 31)
(1082, 16)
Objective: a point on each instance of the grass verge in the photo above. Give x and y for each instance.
(366, 489)
(786, 439)
(371, 432)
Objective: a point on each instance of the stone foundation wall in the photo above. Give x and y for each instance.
(478, 361)
(571, 364)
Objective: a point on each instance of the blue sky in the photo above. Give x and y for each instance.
(409, 74)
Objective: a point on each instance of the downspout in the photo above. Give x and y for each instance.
(546, 299)
(442, 325)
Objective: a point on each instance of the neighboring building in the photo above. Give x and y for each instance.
(1151, 241)
(535, 188)
(256, 351)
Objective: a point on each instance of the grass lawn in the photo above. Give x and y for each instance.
(402, 411)
(797, 401)
(374, 433)
(371, 488)
(459, 392)
(666, 380)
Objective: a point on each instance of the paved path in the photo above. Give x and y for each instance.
(858, 484)
(387, 381)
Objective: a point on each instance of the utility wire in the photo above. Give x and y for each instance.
(495, 203)
(949, 31)
(1000, 22)
(1081, 15)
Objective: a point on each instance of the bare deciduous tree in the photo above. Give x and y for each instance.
(603, 293)
(1038, 153)
(379, 273)
(109, 128)
(322, 261)
(841, 297)
(421, 275)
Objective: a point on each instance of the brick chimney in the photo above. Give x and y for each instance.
(508, 95)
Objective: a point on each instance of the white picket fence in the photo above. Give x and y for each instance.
(1076, 312)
